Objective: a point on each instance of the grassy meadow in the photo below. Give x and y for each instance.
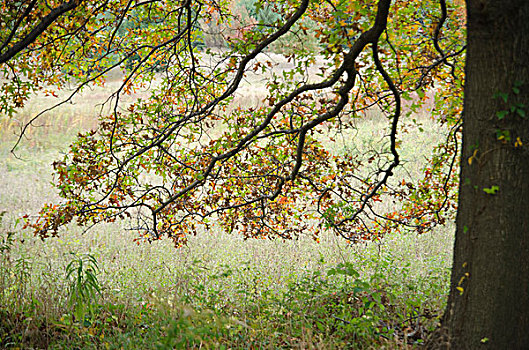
(100, 290)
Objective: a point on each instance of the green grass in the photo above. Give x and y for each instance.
(219, 291)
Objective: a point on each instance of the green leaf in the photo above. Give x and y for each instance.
(503, 135)
(502, 114)
(504, 96)
(491, 190)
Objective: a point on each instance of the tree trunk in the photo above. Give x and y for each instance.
(488, 306)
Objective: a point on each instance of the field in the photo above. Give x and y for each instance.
(100, 290)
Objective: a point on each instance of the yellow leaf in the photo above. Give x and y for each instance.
(472, 157)
(460, 289)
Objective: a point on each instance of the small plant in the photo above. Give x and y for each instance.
(83, 286)
(6, 244)
(15, 272)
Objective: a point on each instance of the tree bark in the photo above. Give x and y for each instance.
(488, 306)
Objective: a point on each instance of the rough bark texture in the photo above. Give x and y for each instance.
(488, 305)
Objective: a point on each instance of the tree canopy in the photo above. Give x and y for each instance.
(191, 153)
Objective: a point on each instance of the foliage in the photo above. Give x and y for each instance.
(83, 286)
(188, 154)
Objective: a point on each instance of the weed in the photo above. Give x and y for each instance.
(83, 286)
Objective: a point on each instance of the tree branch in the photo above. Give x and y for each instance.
(38, 30)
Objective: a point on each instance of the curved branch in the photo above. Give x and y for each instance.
(39, 29)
